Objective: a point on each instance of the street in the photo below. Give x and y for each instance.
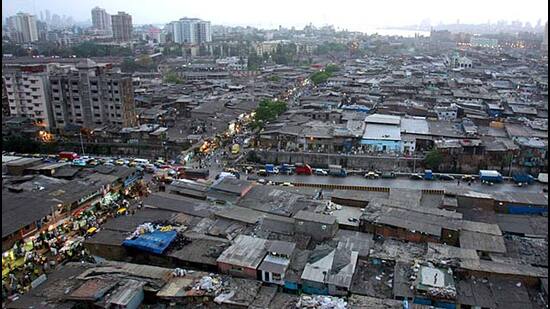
(406, 183)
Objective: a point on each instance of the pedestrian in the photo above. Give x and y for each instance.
(458, 183)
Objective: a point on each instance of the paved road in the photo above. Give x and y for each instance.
(406, 183)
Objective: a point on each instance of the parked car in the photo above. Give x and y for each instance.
(372, 175)
(262, 172)
(416, 176)
(468, 178)
(262, 181)
(388, 175)
(446, 177)
(287, 184)
(119, 162)
(320, 172)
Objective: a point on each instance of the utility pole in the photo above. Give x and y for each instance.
(510, 168)
(81, 143)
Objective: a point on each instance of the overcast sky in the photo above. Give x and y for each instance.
(353, 15)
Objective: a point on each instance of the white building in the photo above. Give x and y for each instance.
(268, 47)
(191, 31)
(101, 20)
(22, 28)
(446, 112)
(458, 62)
(27, 89)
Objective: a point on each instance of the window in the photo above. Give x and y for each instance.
(58, 114)
(97, 115)
(78, 115)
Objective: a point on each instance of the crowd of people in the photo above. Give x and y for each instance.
(40, 254)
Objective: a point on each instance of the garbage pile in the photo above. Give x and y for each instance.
(330, 207)
(446, 292)
(178, 272)
(149, 227)
(142, 229)
(210, 283)
(321, 302)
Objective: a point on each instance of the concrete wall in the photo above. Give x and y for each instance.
(323, 160)
(234, 271)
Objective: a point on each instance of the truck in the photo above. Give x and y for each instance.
(271, 169)
(68, 155)
(522, 178)
(543, 177)
(490, 176)
(428, 175)
(303, 169)
(286, 169)
(337, 170)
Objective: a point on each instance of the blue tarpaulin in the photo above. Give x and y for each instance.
(155, 242)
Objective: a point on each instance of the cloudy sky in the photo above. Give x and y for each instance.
(350, 14)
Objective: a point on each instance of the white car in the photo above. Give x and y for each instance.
(320, 172)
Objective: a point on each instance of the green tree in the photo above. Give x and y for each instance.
(331, 68)
(268, 110)
(254, 62)
(319, 77)
(173, 78)
(433, 159)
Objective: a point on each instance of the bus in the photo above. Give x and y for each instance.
(68, 155)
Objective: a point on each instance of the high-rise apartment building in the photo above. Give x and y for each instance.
(22, 28)
(191, 31)
(91, 96)
(27, 89)
(203, 32)
(122, 27)
(101, 20)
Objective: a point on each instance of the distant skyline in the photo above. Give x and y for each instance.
(344, 14)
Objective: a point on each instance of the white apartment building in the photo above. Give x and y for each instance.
(101, 20)
(91, 96)
(22, 28)
(27, 89)
(191, 31)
